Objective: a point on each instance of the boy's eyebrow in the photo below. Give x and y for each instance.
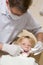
(26, 36)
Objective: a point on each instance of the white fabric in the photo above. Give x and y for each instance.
(19, 60)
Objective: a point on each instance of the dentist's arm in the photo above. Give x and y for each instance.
(38, 48)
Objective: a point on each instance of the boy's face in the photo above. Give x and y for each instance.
(25, 44)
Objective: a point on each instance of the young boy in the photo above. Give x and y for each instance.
(21, 49)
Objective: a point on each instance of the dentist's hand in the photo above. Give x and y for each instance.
(38, 48)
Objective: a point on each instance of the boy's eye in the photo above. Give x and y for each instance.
(28, 45)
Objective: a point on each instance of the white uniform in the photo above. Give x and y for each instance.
(11, 27)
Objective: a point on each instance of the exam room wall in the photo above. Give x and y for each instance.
(35, 9)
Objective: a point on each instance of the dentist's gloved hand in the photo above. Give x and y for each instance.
(38, 48)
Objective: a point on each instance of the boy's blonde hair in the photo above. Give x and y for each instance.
(26, 34)
(19, 40)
